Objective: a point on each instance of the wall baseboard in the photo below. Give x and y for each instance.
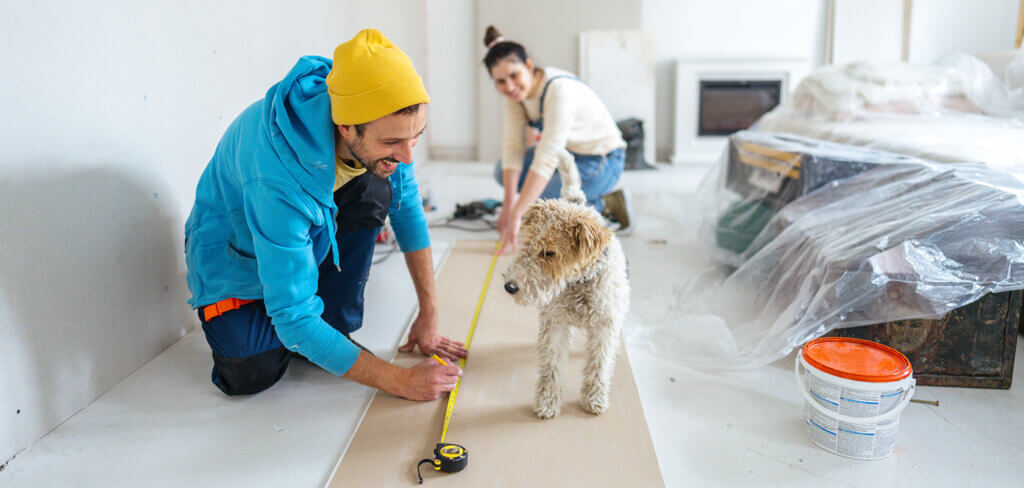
(663, 154)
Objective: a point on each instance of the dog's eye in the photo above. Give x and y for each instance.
(547, 254)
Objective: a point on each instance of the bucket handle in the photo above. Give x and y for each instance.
(846, 418)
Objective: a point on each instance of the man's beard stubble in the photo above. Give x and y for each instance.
(373, 166)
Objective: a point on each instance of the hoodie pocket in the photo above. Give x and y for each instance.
(239, 255)
(223, 271)
(242, 270)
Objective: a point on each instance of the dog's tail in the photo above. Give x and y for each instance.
(571, 186)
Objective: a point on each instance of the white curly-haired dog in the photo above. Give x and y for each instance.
(572, 267)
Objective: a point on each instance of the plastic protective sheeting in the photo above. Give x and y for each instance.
(811, 236)
(992, 94)
(959, 110)
(957, 84)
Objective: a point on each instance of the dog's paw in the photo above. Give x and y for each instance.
(595, 402)
(547, 409)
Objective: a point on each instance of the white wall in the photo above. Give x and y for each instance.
(110, 111)
(549, 30)
(867, 29)
(940, 27)
(450, 71)
(741, 29)
(437, 36)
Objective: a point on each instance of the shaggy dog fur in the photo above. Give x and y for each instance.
(572, 267)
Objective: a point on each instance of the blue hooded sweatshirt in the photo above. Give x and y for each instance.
(264, 215)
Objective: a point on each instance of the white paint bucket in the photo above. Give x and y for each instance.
(854, 392)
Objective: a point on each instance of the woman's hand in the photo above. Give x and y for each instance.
(509, 230)
(508, 226)
(504, 217)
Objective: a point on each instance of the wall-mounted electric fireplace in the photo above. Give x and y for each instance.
(727, 106)
(716, 97)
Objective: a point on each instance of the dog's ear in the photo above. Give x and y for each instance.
(532, 213)
(590, 238)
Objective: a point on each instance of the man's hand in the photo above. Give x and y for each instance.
(427, 381)
(424, 336)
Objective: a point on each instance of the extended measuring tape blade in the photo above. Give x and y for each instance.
(452, 458)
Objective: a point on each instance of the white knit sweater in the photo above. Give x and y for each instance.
(574, 119)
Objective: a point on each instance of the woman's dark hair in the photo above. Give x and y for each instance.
(502, 49)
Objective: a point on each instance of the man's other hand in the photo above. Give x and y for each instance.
(424, 336)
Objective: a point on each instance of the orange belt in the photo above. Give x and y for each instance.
(226, 305)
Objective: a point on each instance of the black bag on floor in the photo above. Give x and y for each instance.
(633, 132)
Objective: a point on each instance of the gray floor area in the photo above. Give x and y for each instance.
(167, 426)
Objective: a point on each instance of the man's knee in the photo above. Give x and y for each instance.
(249, 375)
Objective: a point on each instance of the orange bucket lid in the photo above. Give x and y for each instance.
(856, 359)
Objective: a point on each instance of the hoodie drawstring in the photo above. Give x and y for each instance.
(334, 239)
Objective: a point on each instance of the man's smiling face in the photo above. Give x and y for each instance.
(382, 144)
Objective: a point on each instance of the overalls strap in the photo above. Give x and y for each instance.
(539, 123)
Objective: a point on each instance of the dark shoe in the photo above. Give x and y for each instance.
(618, 208)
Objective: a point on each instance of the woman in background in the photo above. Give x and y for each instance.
(569, 116)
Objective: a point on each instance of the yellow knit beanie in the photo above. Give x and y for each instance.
(371, 78)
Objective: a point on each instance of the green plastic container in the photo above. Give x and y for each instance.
(738, 227)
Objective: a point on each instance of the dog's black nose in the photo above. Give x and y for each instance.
(511, 287)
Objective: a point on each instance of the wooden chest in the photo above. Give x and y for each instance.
(776, 169)
(971, 346)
